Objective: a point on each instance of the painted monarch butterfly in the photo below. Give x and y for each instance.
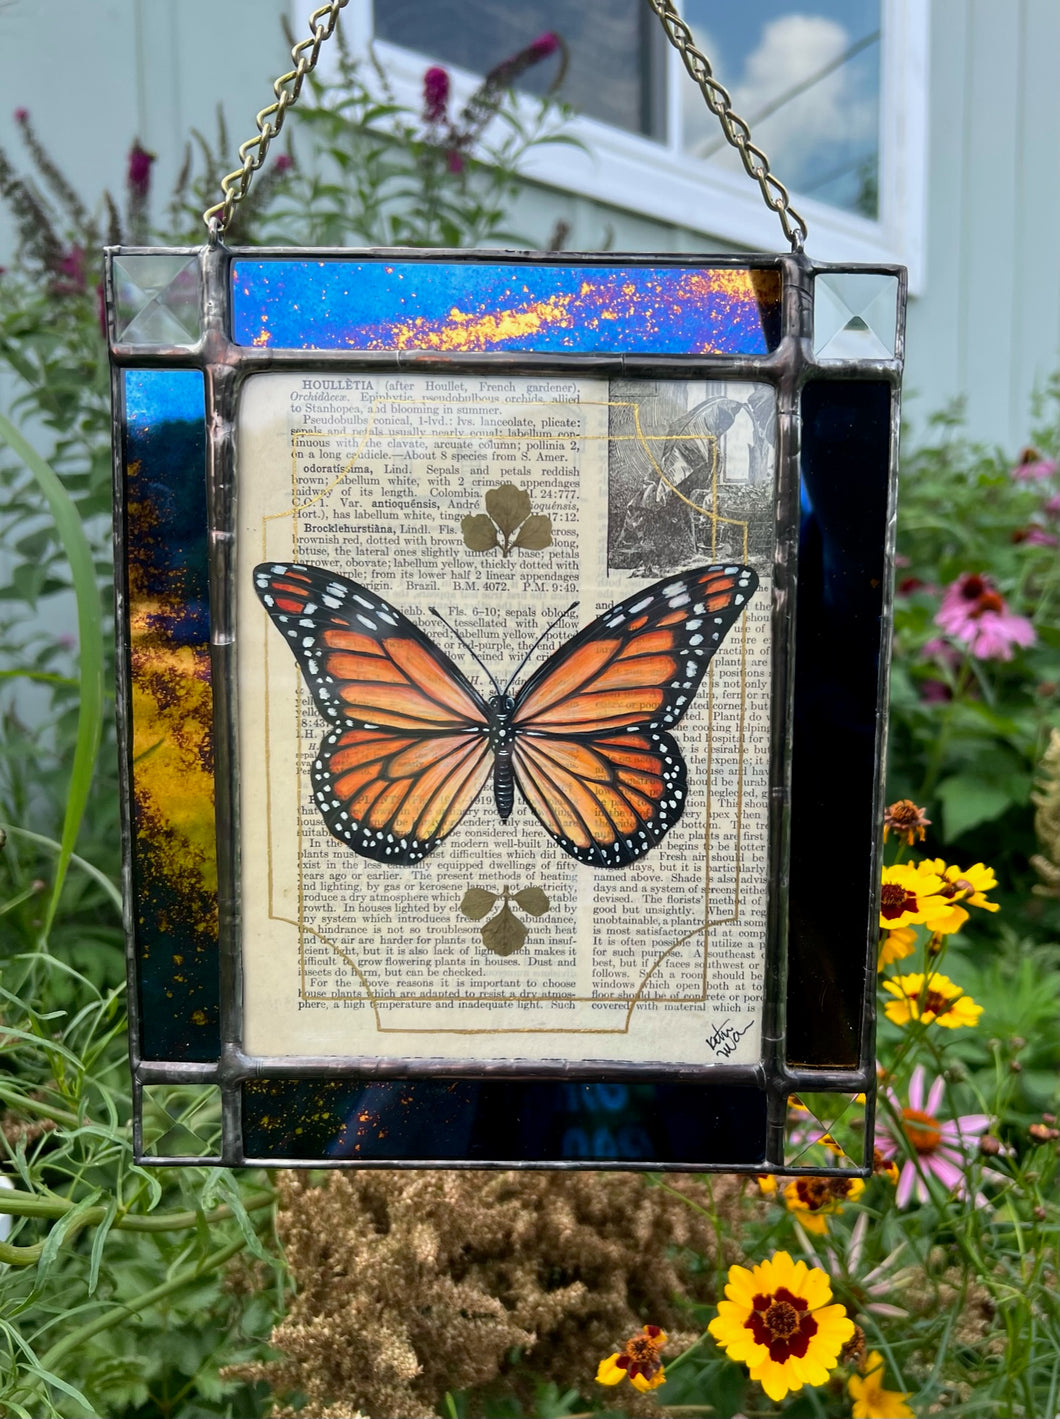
(412, 742)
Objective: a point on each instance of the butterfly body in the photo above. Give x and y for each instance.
(411, 742)
(502, 742)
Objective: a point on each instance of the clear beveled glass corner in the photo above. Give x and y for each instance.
(158, 299)
(182, 1120)
(855, 315)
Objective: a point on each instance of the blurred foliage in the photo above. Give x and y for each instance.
(967, 733)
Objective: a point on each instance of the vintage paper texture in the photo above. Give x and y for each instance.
(499, 945)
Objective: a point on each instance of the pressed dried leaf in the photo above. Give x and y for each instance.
(532, 900)
(508, 506)
(535, 534)
(477, 902)
(504, 934)
(479, 532)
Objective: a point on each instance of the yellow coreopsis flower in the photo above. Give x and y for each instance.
(871, 1400)
(896, 945)
(638, 1361)
(969, 884)
(910, 897)
(939, 1000)
(815, 1199)
(951, 920)
(776, 1320)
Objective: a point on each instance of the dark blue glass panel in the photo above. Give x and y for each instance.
(538, 1122)
(470, 307)
(846, 441)
(170, 714)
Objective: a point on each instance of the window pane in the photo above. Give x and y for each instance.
(615, 70)
(806, 79)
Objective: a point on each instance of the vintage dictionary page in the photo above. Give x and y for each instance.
(499, 945)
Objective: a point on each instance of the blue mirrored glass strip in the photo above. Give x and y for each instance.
(607, 1121)
(171, 714)
(474, 307)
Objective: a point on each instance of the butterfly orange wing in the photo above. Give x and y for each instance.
(593, 756)
(408, 748)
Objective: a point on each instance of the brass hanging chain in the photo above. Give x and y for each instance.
(736, 131)
(252, 153)
(322, 22)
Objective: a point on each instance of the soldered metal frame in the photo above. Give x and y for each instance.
(225, 365)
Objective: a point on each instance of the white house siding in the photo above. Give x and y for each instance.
(96, 73)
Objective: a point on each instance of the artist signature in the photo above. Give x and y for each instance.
(724, 1038)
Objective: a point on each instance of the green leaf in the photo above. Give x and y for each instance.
(504, 934)
(969, 800)
(535, 534)
(72, 1221)
(477, 902)
(508, 506)
(98, 1242)
(90, 632)
(479, 532)
(532, 900)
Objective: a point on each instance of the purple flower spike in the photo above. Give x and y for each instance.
(21, 114)
(139, 171)
(69, 273)
(284, 162)
(435, 94)
(544, 45)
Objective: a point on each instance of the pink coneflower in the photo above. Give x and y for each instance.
(973, 610)
(840, 1256)
(940, 650)
(942, 1147)
(1033, 466)
(935, 692)
(1034, 536)
(435, 94)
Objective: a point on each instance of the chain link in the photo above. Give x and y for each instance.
(252, 153)
(736, 131)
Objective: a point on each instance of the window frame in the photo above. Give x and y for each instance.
(655, 179)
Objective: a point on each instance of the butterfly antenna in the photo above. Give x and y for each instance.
(541, 637)
(435, 612)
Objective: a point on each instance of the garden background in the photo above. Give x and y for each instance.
(129, 1293)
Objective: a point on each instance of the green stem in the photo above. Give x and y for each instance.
(23, 1104)
(25, 1204)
